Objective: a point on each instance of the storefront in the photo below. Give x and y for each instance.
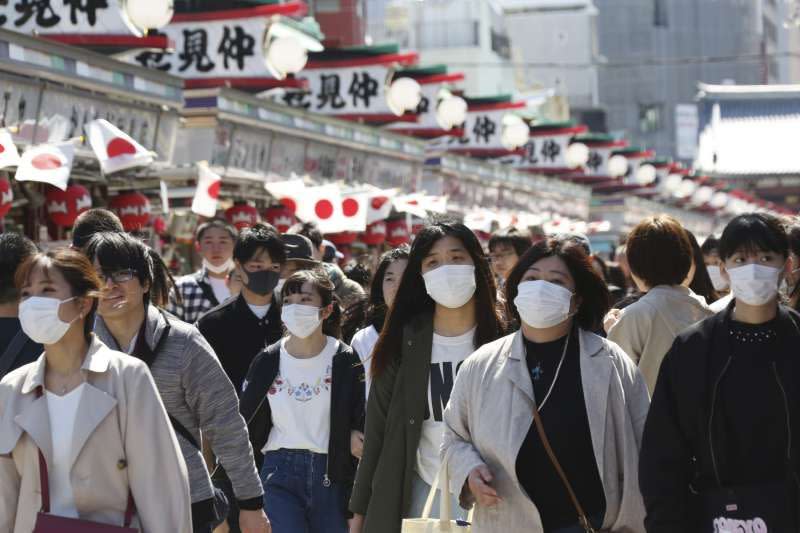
(48, 93)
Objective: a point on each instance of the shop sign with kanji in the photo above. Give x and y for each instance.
(544, 151)
(482, 131)
(63, 16)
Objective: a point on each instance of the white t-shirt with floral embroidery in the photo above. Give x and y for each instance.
(300, 400)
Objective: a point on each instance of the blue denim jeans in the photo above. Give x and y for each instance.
(296, 499)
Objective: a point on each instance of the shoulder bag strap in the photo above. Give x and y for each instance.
(12, 351)
(208, 292)
(44, 483)
(584, 521)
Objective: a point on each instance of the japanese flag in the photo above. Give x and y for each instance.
(355, 208)
(380, 205)
(289, 192)
(322, 205)
(207, 192)
(9, 157)
(413, 203)
(47, 163)
(115, 150)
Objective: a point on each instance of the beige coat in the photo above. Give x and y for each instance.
(122, 438)
(491, 411)
(647, 328)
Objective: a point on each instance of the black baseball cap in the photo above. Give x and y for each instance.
(299, 248)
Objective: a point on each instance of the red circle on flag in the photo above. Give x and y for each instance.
(2, 148)
(324, 209)
(46, 162)
(213, 189)
(289, 204)
(118, 146)
(350, 207)
(378, 202)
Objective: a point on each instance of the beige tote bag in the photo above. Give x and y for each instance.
(435, 525)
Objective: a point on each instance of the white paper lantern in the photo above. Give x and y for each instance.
(646, 174)
(147, 15)
(451, 112)
(617, 166)
(577, 155)
(702, 195)
(285, 55)
(719, 200)
(404, 94)
(673, 182)
(515, 132)
(686, 189)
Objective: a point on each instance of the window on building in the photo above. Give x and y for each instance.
(770, 31)
(660, 19)
(326, 6)
(651, 117)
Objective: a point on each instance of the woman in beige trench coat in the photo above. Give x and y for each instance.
(591, 398)
(94, 413)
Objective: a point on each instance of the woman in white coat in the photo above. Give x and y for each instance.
(591, 399)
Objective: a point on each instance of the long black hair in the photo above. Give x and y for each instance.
(413, 300)
(701, 284)
(323, 285)
(371, 310)
(119, 251)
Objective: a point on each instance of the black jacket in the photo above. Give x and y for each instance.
(676, 465)
(347, 407)
(238, 336)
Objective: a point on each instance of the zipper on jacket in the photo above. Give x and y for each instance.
(711, 420)
(788, 424)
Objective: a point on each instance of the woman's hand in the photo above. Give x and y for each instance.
(611, 319)
(479, 482)
(356, 523)
(356, 443)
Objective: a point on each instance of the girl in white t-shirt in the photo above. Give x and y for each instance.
(381, 295)
(443, 310)
(314, 391)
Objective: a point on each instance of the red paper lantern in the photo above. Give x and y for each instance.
(281, 217)
(340, 239)
(6, 197)
(63, 207)
(397, 232)
(242, 216)
(132, 208)
(375, 234)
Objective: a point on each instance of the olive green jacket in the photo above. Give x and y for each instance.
(395, 411)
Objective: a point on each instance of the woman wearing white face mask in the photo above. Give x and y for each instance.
(718, 448)
(91, 415)
(443, 310)
(303, 399)
(589, 397)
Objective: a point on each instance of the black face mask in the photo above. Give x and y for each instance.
(262, 282)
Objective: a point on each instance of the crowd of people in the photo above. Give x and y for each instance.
(519, 385)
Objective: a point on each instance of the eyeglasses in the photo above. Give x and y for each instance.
(119, 276)
(499, 256)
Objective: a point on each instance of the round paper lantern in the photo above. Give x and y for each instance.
(646, 174)
(375, 234)
(515, 132)
(133, 210)
(404, 94)
(340, 239)
(577, 155)
(686, 189)
(719, 200)
(451, 112)
(285, 55)
(702, 195)
(63, 207)
(617, 166)
(673, 182)
(6, 197)
(280, 216)
(242, 216)
(397, 233)
(148, 14)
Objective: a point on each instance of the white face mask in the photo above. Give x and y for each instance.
(542, 304)
(451, 285)
(755, 284)
(301, 320)
(720, 283)
(224, 268)
(38, 316)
